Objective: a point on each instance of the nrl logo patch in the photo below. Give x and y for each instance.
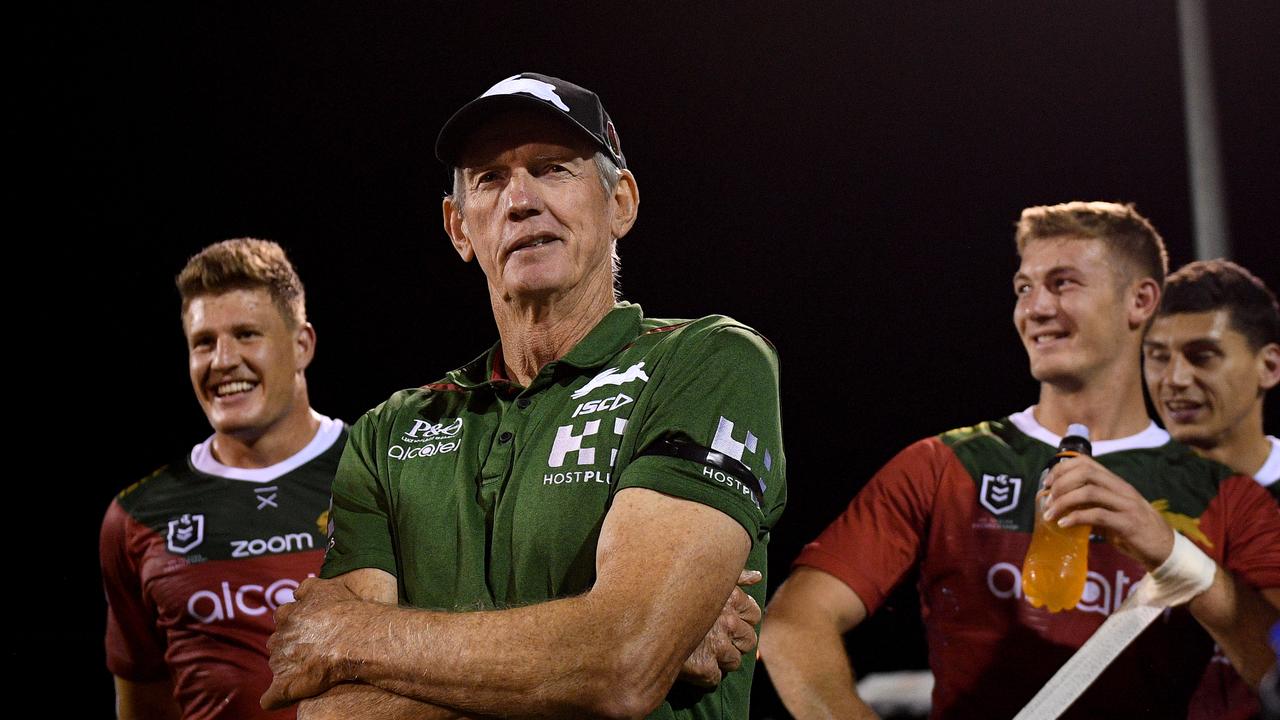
(999, 493)
(185, 533)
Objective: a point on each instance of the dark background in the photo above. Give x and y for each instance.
(844, 177)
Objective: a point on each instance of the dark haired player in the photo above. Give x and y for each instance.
(1211, 356)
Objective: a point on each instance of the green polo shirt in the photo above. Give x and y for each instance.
(478, 493)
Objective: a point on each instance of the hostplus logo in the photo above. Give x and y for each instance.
(576, 448)
(749, 451)
(725, 442)
(426, 439)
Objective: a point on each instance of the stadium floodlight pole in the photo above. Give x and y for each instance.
(1204, 160)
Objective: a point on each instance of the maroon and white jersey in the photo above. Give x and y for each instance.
(960, 506)
(195, 559)
(1223, 694)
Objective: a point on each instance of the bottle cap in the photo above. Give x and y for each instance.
(1078, 430)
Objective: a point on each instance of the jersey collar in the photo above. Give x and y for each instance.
(611, 334)
(327, 434)
(1151, 437)
(1269, 473)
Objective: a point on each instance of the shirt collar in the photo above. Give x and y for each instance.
(1269, 473)
(617, 329)
(614, 332)
(327, 434)
(1151, 437)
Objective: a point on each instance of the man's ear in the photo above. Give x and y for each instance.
(1143, 302)
(626, 204)
(304, 346)
(1269, 366)
(455, 229)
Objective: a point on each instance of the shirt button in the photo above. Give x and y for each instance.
(505, 437)
(523, 403)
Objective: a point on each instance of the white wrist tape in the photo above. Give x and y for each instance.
(1185, 574)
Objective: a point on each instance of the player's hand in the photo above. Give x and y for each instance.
(1083, 492)
(732, 636)
(304, 646)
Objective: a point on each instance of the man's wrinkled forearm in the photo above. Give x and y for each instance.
(500, 661)
(351, 700)
(614, 651)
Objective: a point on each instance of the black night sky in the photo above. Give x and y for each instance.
(843, 177)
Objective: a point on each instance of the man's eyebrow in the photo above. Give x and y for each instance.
(567, 155)
(478, 167)
(1196, 343)
(1050, 271)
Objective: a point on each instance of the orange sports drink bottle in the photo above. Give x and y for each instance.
(1057, 563)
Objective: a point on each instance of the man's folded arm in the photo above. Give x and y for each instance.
(357, 699)
(664, 567)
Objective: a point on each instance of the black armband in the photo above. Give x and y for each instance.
(713, 459)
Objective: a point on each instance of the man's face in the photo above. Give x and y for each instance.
(1203, 377)
(535, 214)
(245, 362)
(1071, 312)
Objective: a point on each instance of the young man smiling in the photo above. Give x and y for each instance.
(960, 507)
(196, 556)
(1210, 357)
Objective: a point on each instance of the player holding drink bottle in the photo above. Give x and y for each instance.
(1056, 568)
(959, 507)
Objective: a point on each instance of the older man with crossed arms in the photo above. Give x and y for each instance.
(552, 529)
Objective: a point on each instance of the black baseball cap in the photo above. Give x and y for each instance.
(574, 103)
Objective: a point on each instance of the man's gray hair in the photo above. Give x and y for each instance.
(609, 174)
